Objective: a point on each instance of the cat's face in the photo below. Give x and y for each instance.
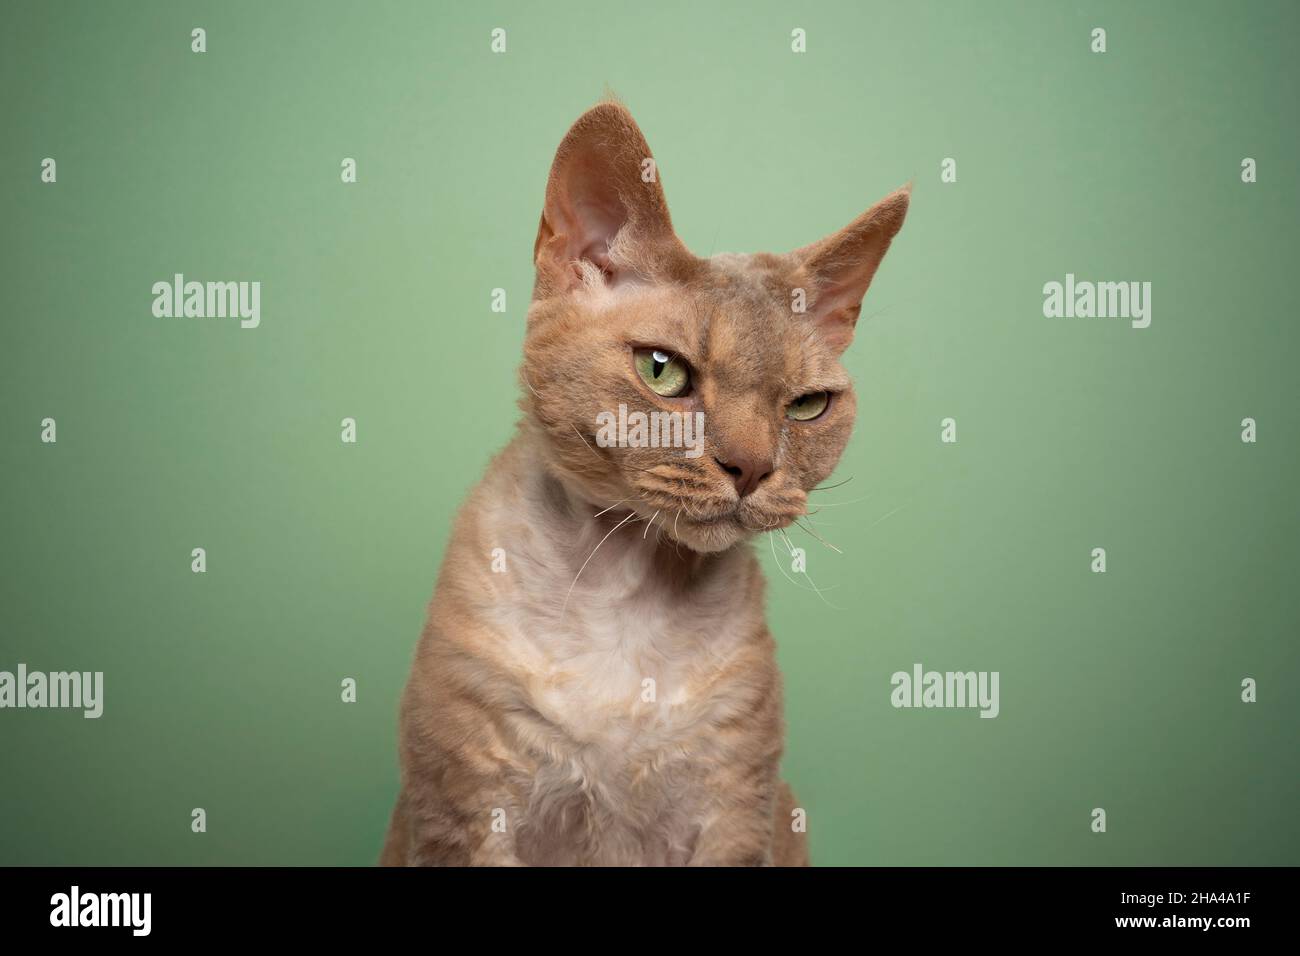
(705, 395)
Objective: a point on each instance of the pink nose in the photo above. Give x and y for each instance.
(746, 471)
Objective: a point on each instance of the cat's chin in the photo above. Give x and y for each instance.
(708, 537)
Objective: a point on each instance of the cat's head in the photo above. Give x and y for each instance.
(625, 323)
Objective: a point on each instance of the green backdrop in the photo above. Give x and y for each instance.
(1119, 690)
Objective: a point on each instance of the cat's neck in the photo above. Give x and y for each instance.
(570, 576)
(622, 530)
(608, 536)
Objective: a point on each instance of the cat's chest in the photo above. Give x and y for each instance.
(623, 733)
(625, 685)
(622, 664)
(625, 678)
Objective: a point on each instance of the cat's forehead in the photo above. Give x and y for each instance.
(736, 313)
(753, 283)
(752, 273)
(696, 313)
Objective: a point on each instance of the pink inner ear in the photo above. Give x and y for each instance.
(842, 265)
(594, 225)
(594, 192)
(590, 209)
(837, 303)
(837, 325)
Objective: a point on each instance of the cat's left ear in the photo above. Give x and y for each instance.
(840, 267)
(604, 186)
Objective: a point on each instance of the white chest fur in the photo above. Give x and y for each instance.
(616, 659)
(619, 675)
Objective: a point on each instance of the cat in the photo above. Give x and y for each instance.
(596, 684)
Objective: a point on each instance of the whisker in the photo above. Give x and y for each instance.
(880, 311)
(781, 568)
(810, 580)
(889, 515)
(841, 504)
(648, 524)
(583, 439)
(829, 487)
(614, 505)
(564, 607)
(524, 376)
(818, 537)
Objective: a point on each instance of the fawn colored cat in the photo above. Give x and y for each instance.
(596, 684)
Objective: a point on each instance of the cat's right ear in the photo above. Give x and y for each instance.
(840, 267)
(603, 185)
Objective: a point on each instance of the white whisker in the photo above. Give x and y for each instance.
(840, 504)
(810, 580)
(819, 538)
(781, 568)
(889, 515)
(565, 606)
(613, 506)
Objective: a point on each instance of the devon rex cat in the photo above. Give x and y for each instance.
(603, 690)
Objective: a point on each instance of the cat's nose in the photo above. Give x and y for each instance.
(747, 471)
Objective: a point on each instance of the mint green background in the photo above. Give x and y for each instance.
(222, 690)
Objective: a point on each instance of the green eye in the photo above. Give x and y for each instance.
(807, 407)
(666, 374)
